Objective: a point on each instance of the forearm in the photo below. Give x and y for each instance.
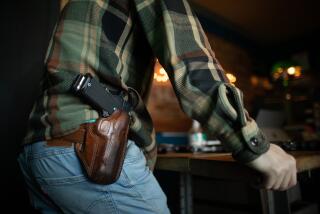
(199, 81)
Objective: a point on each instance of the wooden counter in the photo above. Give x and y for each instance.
(213, 164)
(222, 167)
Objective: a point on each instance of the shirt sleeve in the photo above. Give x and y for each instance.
(203, 91)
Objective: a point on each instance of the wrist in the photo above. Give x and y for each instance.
(247, 155)
(250, 143)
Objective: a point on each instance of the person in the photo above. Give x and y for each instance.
(117, 42)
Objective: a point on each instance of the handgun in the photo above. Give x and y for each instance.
(96, 95)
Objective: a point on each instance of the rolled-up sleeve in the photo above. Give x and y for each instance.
(199, 81)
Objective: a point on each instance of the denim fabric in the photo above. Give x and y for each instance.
(57, 184)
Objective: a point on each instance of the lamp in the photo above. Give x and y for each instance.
(286, 70)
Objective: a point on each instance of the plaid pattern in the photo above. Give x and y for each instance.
(118, 40)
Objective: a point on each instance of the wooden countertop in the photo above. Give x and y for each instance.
(223, 166)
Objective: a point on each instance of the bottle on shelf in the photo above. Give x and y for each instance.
(197, 138)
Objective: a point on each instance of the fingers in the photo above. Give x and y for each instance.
(283, 178)
(293, 175)
(278, 168)
(285, 182)
(293, 180)
(276, 180)
(269, 182)
(279, 182)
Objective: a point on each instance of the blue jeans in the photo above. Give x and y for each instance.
(57, 184)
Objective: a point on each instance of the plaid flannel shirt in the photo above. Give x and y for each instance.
(119, 39)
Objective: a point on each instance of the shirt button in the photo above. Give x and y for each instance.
(254, 141)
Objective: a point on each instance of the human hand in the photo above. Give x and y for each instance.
(278, 167)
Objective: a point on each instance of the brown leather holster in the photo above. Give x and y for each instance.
(101, 146)
(103, 150)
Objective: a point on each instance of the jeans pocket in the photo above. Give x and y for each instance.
(135, 167)
(56, 165)
(133, 153)
(138, 182)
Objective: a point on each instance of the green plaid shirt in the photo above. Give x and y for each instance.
(119, 39)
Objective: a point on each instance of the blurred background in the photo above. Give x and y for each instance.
(270, 50)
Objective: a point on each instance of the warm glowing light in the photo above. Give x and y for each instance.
(276, 75)
(162, 71)
(254, 80)
(161, 75)
(298, 73)
(291, 70)
(232, 78)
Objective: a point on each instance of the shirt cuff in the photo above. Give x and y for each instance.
(250, 141)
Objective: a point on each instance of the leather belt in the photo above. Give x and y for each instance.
(69, 140)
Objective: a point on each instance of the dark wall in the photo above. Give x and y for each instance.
(25, 30)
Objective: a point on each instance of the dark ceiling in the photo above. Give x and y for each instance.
(265, 22)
